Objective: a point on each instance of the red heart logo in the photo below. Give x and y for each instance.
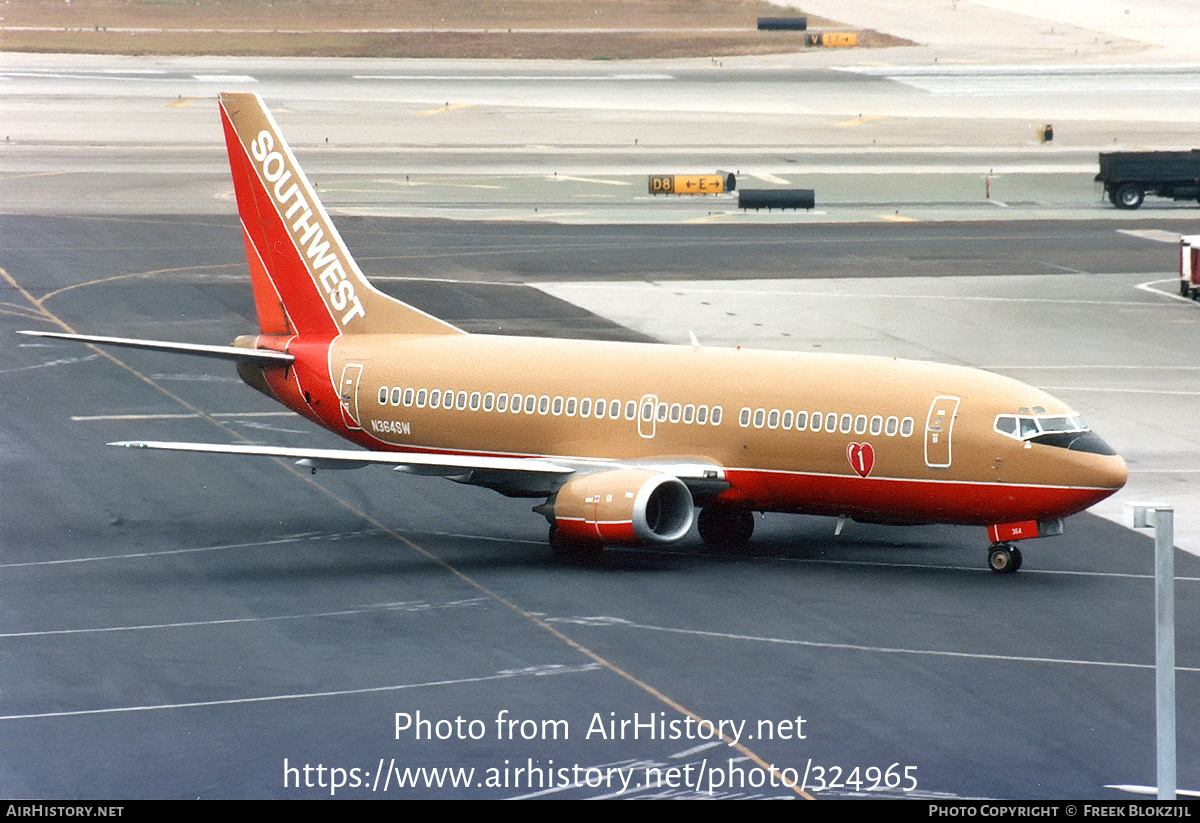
(861, 457)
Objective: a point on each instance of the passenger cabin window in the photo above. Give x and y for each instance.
(383, 395)
(435, 398)
(396, 396)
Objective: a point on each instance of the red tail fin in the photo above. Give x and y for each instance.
(305, 280)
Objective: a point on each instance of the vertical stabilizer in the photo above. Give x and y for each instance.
(305, 281)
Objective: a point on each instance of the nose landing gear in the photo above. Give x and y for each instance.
(1004, 558)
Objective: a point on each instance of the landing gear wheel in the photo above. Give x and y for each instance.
(725, 527)
(1004, 559)
(1129, 196)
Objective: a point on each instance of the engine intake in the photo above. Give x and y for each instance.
(627, 506)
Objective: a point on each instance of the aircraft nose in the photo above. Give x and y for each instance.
(1111, 473)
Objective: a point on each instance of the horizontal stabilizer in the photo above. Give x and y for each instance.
(447, 464)
(260, 357)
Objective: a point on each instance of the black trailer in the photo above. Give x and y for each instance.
(1128, 176)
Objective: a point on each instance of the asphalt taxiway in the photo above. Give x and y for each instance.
(188, 626)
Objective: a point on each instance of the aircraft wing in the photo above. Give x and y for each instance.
(261, 357)
(447, 465)
(513, 476)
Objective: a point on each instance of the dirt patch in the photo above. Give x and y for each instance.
(550, 29)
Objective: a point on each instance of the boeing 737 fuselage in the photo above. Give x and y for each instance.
(624, 441)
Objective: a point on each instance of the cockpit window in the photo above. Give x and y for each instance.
(1067, 431)
(1026, 426)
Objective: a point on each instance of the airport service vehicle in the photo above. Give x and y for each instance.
(1128, 176)
(1189, 266)
(621, 443)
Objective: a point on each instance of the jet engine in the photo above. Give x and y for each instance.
(621, 506)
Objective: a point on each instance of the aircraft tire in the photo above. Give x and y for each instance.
(725, 527)
(1004, 559)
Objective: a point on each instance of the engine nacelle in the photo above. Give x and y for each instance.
(623, 506)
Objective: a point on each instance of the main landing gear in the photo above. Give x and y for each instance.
(725, 527)
(1004, 558)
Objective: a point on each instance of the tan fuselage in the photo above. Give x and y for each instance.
(880, 452)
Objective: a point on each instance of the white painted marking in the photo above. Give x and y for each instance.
(1102, 367)
(295, 538)
(558, 177)
(238, 701)
(940, 298)
(1120, 391)
(90, 418)
(1148, 286)
(814, 644)
(197, 378)
(1147, 790)
(492, 78)
(703, 747)
(1152, 234)
(65, 361)
(267, 427)
(391, 607)
(767, 177)
(224, 78)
